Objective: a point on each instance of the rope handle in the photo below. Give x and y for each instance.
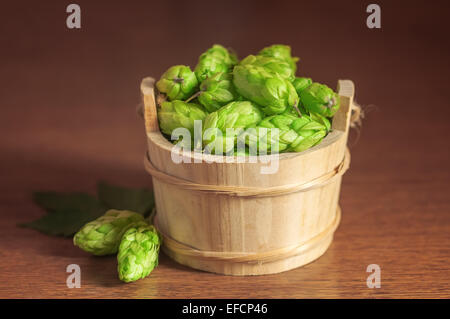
(356, 116)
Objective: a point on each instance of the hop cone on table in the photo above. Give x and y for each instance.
(301, 83)
(217, 91)
(280, 67)
(281, 52)
(178, 82)
(235, 115)
(102, 236)
(177, 114)
(319, 98)
(138, 252)
(286, 132)
(216, 59)
(265, 88)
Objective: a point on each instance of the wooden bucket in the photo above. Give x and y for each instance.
(228, 218)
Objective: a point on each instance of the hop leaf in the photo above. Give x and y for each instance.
(139, 200)
(102, 236)
(66, 212)
(178, 82)
(319, 98)
(138, 252)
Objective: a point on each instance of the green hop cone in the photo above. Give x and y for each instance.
(319, 98)
(208, 67)
(265, 88)
(217, 91)
(216, 59)
(281, 52)
(178, 114)
(321, 119)
(236, 116)
(178, 82)
(271, 64)
(301, 83)
(284, 132)
(102, 236)
(241, 152)
(138, 252)
(217, 51)
(310, 131)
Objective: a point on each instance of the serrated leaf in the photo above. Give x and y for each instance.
(56, 202)
(66, 212)
(139, 200)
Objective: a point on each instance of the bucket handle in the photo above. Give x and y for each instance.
(148, 97)
(342, 120)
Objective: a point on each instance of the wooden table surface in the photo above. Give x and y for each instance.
(68, 100)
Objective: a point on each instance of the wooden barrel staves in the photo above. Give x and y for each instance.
(224, 216)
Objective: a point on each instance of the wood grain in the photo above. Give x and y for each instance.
(230, 234)
(68, 100)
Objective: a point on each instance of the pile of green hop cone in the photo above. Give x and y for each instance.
(126, 234)
(257, 102)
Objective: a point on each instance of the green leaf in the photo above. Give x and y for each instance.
(67, 212)
(139, 200)
(56, 202)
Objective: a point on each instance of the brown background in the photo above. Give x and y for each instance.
(68, 119)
